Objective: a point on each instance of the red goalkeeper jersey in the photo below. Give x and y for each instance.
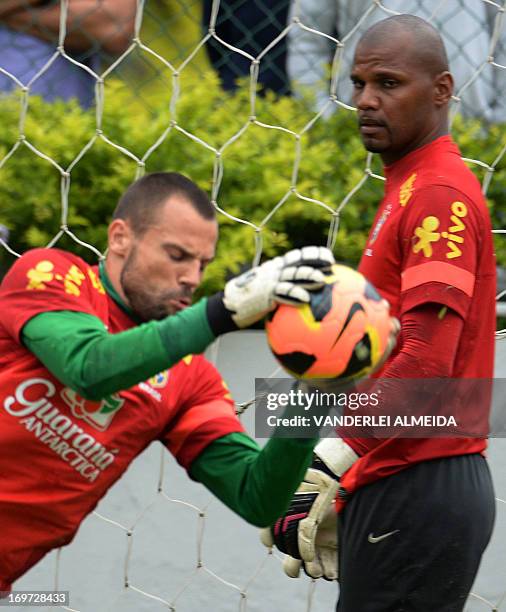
(60, 452)
(431, 241)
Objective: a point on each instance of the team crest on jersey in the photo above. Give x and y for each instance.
(97, 414)
(158, 381)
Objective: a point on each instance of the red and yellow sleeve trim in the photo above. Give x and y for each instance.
(439, 272)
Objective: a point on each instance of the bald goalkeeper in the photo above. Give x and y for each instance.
(414, 515)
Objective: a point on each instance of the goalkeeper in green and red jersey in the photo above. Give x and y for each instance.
(95, 363)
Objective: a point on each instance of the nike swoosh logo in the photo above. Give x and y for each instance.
(375, 539)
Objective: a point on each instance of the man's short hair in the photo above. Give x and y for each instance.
(142, 200)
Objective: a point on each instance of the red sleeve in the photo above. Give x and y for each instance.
(207, 412)
(45, 280)
(429, 346)
(439, 246)
(429, 340)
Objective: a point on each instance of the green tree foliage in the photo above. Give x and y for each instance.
(257, 171)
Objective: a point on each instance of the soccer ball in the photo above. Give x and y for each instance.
(344, 332)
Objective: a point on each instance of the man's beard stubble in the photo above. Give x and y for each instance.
(146, 305)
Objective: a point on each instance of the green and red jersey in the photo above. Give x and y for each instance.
(61, 452)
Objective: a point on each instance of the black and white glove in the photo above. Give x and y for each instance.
(286, 279)
(307, 533)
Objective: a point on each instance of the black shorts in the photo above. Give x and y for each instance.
(413, 542)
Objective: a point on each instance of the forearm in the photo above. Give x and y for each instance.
(256, 484)
(429, 341)
(78, 350)
(431, 334)
(110, 22)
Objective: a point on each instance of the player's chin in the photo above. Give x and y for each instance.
(154, 312)
(374, 145)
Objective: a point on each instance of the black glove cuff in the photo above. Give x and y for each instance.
(219, 318)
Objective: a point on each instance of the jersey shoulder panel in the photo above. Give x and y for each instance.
(45, 280)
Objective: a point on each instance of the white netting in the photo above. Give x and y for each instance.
(194, 522)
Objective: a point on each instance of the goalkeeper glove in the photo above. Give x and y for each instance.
(286, 279)
(307, 532)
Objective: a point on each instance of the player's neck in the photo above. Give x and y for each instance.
(113, 271)
(441, 129)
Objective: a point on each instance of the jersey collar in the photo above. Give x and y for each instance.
(106, 281)
(412, 159)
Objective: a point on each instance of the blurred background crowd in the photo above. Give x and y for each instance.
(298, 63)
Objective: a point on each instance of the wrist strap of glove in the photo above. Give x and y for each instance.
(335, 455)
(219, 318)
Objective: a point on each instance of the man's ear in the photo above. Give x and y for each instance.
(120, 237)
(443, 88)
